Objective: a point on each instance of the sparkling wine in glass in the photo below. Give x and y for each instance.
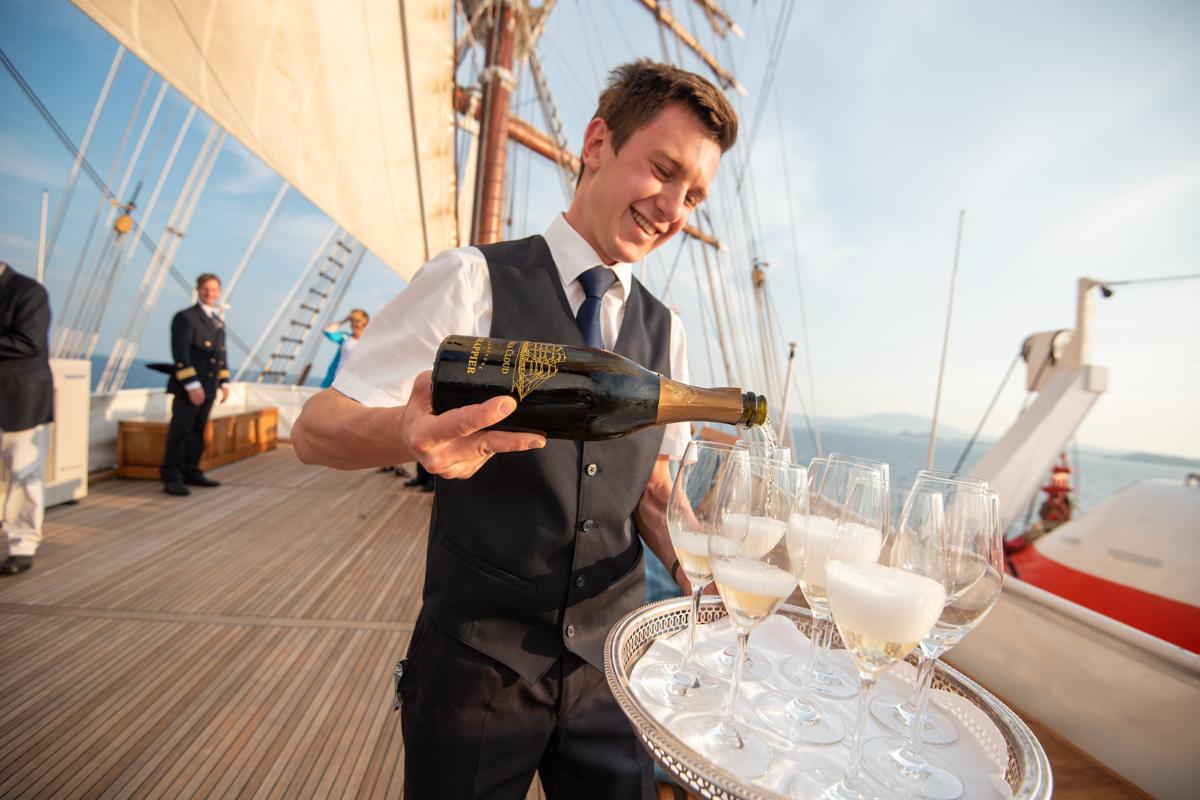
(691, 511)
(753, 571)
(972, 579)
(882, 610)
(795, 715)
(716, 656)
(830, 483)
(898, 713)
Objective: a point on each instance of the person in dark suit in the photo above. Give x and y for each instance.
(26, 406)
(198, 350)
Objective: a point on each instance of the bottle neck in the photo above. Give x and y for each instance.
(679, 402)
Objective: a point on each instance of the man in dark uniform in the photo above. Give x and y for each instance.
(534, 555)
(26, 407)
(198, 350)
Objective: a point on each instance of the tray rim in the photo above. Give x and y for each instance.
(686, 764)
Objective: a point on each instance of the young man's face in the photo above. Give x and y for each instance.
(638, 198)
(209, 292)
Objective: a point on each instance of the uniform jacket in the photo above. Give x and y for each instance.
(26, 385)
(198, 350)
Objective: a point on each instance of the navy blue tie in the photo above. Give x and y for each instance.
(595, 282)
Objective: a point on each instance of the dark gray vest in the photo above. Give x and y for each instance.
(537, 551)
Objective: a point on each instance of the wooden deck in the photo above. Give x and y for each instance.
(235, 643)
(238, 642)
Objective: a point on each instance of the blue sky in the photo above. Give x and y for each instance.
(1069, 132)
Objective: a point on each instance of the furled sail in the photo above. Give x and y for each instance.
(348, 102)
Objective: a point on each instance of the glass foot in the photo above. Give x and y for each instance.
(735, 748)
(717, 658)
(924, 775)
(673, 686)
(835, 682)
(893, 712)
(827, 784)
(785, 714)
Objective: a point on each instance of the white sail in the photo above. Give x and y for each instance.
(332, 96)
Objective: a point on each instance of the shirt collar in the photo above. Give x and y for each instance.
(573, 255)
(209, 311)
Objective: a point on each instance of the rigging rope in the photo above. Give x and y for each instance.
(704, 328)
(975, 434)
(1162, 279)
(90, 171)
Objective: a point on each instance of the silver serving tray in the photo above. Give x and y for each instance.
(1028, 772)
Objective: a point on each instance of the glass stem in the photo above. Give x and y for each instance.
(737, 677)
(697, 590)
(854, 768)
(806, 680)
(920, 703)
(824, 638)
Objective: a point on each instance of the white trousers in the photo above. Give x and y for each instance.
(24, 454)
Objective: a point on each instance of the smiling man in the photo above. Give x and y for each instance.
(533, 548)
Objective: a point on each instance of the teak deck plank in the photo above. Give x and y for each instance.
(236, 643)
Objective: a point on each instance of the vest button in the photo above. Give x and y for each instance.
(580, 581)
(592, 469)
(588, 524)
(570, 631)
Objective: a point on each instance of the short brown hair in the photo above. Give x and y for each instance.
(637, 91)
(204, 278)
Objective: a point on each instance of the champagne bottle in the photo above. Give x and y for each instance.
(577, 393)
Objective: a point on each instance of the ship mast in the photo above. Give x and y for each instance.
(495, 22)
(498, 85)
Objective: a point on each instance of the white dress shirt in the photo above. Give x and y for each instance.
(452, 294)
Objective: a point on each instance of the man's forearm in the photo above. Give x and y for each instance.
(651, 516)
(339, 432)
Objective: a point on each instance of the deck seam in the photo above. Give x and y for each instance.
(204, 619)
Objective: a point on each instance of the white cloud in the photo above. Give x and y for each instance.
(249, 176)
(20, 163)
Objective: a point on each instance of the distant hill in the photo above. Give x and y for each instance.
(1155, 458)
(893, 424)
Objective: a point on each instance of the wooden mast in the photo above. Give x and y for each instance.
(497, 91)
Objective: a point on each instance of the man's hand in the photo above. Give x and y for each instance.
(455, 444)
(196, 395)
(224, 392)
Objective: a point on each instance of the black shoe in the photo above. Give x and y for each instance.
(417, 482)
(401, 472)
(14, 565)
(177, 489)
(200, 479)
(427, 486)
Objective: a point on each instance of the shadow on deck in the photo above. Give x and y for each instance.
(238, 642)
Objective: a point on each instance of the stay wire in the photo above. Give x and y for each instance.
(983, 420)
(90, 171)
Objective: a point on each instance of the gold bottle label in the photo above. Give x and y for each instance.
(536, 363)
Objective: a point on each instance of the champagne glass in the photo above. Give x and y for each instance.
(882, 609)
(830, 483)
(716, 657)
(972, 578)
(691, 511)
(753, 571)
(897, 713)
(828, 680)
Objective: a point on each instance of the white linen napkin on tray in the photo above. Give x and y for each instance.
(979, 756)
